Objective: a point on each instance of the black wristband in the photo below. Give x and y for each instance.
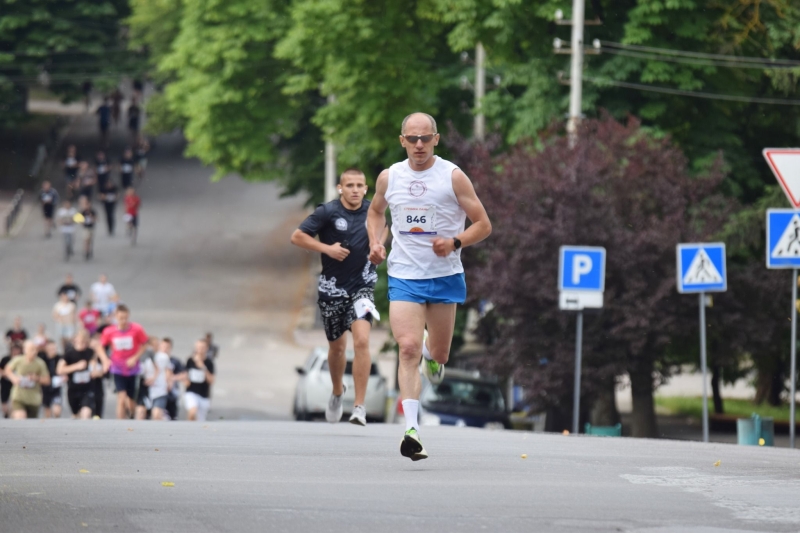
(456, 242)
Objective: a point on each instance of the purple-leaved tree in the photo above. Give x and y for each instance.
(620, 188)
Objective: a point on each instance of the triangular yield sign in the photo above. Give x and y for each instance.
(702, 270)
(789, 243)
(785, 164)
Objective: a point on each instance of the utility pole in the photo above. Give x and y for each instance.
(480, 92)
(576, 71)
(330, 164)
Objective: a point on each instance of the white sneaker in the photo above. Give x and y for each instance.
(359, 416)
(334, 411)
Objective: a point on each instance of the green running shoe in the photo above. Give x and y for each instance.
(411, 446)
(433, 371)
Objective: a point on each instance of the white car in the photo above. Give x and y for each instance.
(314, 388)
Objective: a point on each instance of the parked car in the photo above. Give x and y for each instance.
(314, 388)
(464, 399)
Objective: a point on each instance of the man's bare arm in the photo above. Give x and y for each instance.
(481, 226)
(376, 220)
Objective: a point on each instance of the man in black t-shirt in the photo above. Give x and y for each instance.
(49, 199)
(346, 286)
(198, 378)
(77, 367)
(69, 288)
(5, 384)
(17, 333)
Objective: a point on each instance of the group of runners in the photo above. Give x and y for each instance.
(85, 183)
(107, 346)
(429, 199)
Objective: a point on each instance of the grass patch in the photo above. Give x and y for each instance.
(693, 406)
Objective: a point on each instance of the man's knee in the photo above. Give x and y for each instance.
(410, 350)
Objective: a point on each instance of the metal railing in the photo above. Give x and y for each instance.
(16, 205)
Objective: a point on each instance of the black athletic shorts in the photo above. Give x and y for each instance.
(125, 383)
(338, 314)
(5, 391)
(79, 400)
(143, 397)
(51, 396)
(48, 210)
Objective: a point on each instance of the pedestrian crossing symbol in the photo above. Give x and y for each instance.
(701, 267)
(783, 238)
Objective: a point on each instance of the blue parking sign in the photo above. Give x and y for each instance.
(701, 267)
(582, 268)
(783, 238)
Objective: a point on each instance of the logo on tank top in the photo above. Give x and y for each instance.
(417, 189)
(341, 224)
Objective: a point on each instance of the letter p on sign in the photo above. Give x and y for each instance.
(581, 265)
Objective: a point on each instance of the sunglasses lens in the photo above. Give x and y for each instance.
(413, 139)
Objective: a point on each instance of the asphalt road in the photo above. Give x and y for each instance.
(63, 476)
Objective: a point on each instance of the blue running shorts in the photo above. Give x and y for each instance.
(444, 290)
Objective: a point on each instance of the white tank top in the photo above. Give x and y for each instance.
(424, 207)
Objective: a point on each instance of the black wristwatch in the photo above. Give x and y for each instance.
(456, 242)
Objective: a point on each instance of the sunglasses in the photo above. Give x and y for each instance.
(413, 139)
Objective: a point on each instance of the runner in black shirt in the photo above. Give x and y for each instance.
(17, 333)
(69, 288)
(5, 384)
(198, 378)
(126, 166)
(89, 218)
(51, 394)
(346, 299)
(103, 169)
(109, 195)
(48, 196)
(76, 366)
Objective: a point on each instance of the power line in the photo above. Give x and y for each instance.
(693, 94)
(701, 55)
(698, 61)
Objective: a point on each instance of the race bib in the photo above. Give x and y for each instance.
(197, 375)
(56, 381)
(127, 169)
(26, 383)
(89, 319)
(123, 343)
(102, 169)
(111, 198)
(417, 220)
(84, 376)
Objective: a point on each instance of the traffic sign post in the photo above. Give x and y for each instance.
(581, 282)
(701, 269)
(783, 252)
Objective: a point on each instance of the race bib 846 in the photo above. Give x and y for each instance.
(417, 220)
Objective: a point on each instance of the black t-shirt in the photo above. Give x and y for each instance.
(89, 217)
(72, 291)
(126, 166)
(195, 385)
(80, 380)
(110, 194)
(49, 197)
(51, 367)
(4, 383)
(333, 222)
(16, 335)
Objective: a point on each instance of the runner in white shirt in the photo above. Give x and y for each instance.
(103, 293)
(65, 218)
(429, 199)
(158, 378)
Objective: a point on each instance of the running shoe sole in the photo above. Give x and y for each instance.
(412, 448)
(357, 421)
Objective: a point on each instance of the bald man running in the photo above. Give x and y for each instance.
(429, 199)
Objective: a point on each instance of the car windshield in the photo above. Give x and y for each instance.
(466, 393)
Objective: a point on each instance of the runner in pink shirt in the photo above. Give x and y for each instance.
(128, 342)
(90, 318)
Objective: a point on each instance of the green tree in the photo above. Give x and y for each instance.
(63, 44)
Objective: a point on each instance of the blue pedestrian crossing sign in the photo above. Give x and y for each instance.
(582, 268)
(701, 267)
(783, 238)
